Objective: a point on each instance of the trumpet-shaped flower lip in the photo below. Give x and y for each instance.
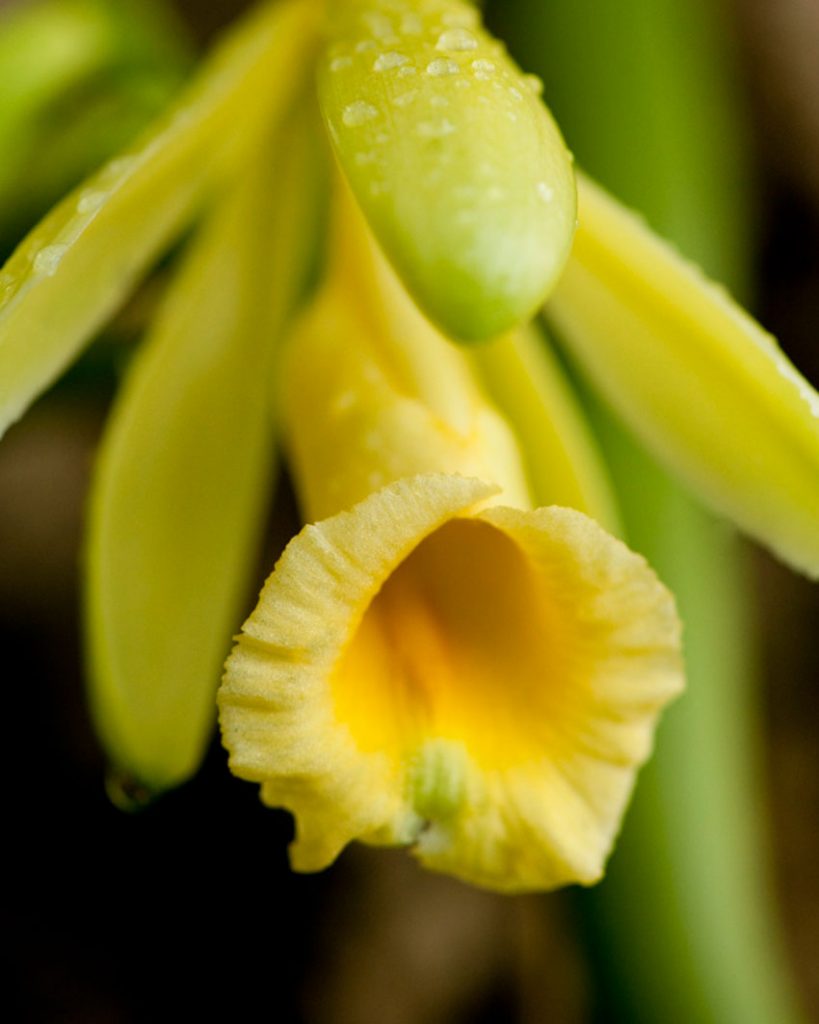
(479, 683)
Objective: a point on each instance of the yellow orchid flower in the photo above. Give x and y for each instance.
(435, 663)
(467, 187)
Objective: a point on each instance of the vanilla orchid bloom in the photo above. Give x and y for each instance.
(519, 781)
(434, 662)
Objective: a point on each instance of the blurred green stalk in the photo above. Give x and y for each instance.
(684, 926)
(78, 79)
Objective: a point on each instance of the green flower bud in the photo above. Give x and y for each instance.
(457, 164)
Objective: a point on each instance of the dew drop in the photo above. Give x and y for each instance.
(358, 113)
(340, 63)
(389, 60)
(119, 167)
(439, 101)
(6, 286)
(379, 24)
(364, 158)
(365, 45)
(484, 69)
(460, 19)
(405, 98)
(48, 259)
(456, 40)
(435, 129)
(441, 66)
(516, 94)
(546, 192)
(534, 83)
(91, 200)
(406, 71)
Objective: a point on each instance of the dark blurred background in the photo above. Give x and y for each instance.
(187, 909)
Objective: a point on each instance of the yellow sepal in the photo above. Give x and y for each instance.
(75, 268)
(695, 377)
(183, 478)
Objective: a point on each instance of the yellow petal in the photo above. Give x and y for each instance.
(372, 392)
(480, 684)
(182, 480)
(77, 266)
(695, 377)
(457, 164)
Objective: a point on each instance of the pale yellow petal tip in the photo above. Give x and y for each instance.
(480, 684)
(698, 381)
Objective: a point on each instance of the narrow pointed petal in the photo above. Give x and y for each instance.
(482, 685)
(695, 377)
(461, 171)
(182, 483)
(77, 266)
(561, 458)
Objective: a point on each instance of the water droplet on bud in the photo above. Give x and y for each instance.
(358, 113)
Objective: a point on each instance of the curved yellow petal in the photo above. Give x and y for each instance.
(459, 167)
(372, 392)
(77, 265)
(479, 684)
(696, 378)
(183, 477)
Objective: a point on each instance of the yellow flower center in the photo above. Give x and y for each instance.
(462, 612)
